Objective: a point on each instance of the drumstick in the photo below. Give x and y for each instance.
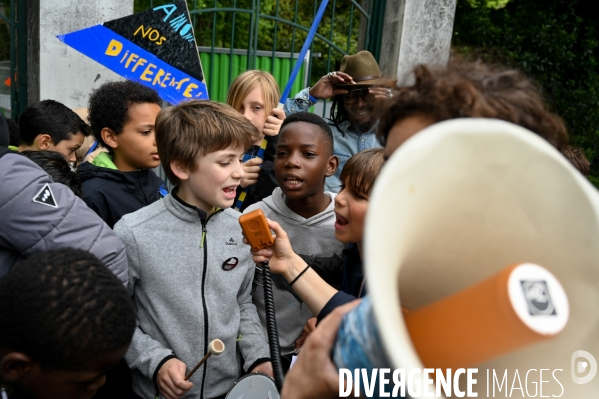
(216, 347)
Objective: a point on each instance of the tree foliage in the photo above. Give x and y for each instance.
(555, 43)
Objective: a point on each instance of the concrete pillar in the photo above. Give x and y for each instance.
(416, 32)
(55, 70)
(391, 39)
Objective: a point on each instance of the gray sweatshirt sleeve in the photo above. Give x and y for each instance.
(301, 102)
(145, 353)
(38, 215)
(253, 343)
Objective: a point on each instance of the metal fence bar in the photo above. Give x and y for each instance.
(317, 35)
(211, 83)
(351, 23)
(257, 34)
(274, 42)
(259, 53)
(253, 20)
(232, 45)
(359, 7)
(293, 31)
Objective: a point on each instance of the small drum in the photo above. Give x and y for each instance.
(254, 386)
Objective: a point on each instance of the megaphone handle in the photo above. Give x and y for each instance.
(271, 327)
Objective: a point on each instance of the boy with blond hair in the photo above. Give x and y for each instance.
(191, 275)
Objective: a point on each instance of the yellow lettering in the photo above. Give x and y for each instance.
(143, 31)
(114, 48)
(155, 37)
(124, 56)
(140, 62)
(131, 58)
(162, 39)
(147, 72)
(190, 87)
(168, 75)
(159, 74)
(181, 83)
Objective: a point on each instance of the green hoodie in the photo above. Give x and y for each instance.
(104, 160)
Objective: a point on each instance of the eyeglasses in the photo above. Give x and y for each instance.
(353, 95)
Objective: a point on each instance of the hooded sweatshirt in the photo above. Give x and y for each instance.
(191, 278)
(314, 240)
(112, 193)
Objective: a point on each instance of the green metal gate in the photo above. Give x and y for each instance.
(13, 57)
(238, 35)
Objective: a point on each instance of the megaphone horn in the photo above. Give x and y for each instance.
(455, 205)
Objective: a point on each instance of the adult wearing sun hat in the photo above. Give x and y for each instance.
(358, 90)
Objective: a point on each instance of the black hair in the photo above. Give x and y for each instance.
(338, 111)
(64, 308)
(52, 118)
(109, 105)
(13, 132)
(307, 117)
(57, 166)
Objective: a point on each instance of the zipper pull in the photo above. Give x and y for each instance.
(203, 236)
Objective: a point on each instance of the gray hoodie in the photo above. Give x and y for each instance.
(191, 280)
(314, 240)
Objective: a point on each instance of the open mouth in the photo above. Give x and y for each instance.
(340, 222)
(155, 156)
(292, 181)
(230, 192)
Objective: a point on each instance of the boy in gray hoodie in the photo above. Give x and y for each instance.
(304, 158)
(190, 274)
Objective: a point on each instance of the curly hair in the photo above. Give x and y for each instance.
(577, 158)
(109, 105)
(307, 117)
(466, 89)
(57, 166)
(64, 308)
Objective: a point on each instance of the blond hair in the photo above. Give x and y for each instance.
(198, 127)
(360, 171)
(248, 81)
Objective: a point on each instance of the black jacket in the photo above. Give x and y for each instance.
(352, 286)
(112, 193)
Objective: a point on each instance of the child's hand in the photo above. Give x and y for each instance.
(280, 256)
(264, 368)
(308, 328)
(251, 169)
(171, 381)
(277, 254)
(273, 122)
(314, 375)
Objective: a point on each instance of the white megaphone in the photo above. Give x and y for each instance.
(458, 203)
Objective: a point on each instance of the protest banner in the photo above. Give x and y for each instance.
(156, 48)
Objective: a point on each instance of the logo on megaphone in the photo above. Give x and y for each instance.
(580, 366)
